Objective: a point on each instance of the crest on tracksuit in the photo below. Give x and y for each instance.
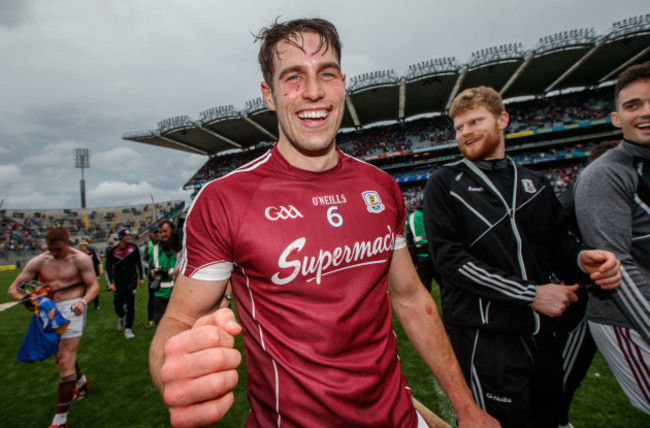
(529, 186)
(373, 202)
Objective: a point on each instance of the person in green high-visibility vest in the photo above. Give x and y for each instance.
(162, 259)
(418, 246)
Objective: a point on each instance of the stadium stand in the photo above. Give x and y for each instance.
(560, 62)
(557, 94)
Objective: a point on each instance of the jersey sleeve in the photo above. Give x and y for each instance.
(400, 237)
(605, 198)
(138, 263)
(207, 250)
(110, 265)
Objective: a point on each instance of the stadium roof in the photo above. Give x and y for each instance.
(576, 58)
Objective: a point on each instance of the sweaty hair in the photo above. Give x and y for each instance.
(57, 234)
(290, 32)
(631, 75)
(477, 97)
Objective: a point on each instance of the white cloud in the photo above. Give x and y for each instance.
(118, 159)
(61, 153)
(110, 193)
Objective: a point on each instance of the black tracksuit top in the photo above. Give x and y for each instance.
(496, 230)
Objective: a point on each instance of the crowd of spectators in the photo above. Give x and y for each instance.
(564, 109)
(17, 239)
(395, 138)
(221, 164)
(23, 231)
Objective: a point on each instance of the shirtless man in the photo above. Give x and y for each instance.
(59, 267)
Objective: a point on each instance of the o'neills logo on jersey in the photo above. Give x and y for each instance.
(373, 202)
(314, 267)
(282, 213)
(328, 200)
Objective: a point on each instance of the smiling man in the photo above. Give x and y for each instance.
(613, 212)
(312, 243)
(499, 240)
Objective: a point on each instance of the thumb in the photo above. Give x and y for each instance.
(574, 288)
(573, 297)
(596, 256)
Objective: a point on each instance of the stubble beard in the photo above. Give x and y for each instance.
(306, 149)
(487, 149)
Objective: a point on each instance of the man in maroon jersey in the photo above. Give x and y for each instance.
(313, 244)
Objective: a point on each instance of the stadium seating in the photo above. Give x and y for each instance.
(23, 231)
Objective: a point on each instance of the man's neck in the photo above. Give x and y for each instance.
(316, 163)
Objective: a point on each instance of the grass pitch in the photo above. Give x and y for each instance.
(122, 394)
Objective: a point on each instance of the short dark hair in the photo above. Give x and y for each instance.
(631, 75)
(601, 148)
(166, 221)
(57, 234)
(290, 32)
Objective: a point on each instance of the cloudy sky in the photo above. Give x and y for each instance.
(81, 73)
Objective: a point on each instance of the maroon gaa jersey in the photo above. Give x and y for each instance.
(308, 256)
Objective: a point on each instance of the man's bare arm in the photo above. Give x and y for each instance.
(87, 272)
(418, 314)
(29, 272)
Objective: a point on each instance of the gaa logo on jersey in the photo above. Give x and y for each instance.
(373, 202)
(529, 186)
(282, 213)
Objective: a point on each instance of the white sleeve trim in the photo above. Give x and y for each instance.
(213, 272)
(400, 242)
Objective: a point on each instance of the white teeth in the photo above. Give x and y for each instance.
(644, 125)
(313, 114)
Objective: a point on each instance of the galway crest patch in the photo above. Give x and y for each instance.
(529, 186)
(373, 202)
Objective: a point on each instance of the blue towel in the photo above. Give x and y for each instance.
(44, 332)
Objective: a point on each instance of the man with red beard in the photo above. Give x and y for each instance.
(502, 251)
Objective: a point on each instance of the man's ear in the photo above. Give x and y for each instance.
(615, 120)
(267, 93)
(503, 120)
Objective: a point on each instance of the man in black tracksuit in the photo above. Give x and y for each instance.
(124, 271)
(500, 244)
